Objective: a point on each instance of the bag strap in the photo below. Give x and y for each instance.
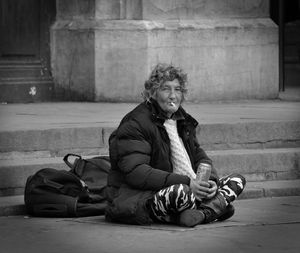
(53, 184)
(91, 162)
(66, 160)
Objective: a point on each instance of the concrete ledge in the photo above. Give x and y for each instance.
(14, 205)
(14, 173)
(149, 25)
(255, 165)
(91, 140)
(278, 188)
(249, 135)
(258, 164)
(58, 141)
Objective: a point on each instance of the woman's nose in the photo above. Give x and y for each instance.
(172, 93)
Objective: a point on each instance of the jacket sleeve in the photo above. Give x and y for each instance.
(134, 156)
(201, 156)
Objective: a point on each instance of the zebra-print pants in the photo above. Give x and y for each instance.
(167, 203)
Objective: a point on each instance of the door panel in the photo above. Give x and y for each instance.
(25, 50)
(20, 23)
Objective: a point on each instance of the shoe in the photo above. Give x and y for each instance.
(211, 216)
(191, 218)
(213, 208)
(228, 213)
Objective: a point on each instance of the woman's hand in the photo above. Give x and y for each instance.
(200, 189)
(212, 189)
(203, 190)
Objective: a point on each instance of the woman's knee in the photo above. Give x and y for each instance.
(177, 190)
(181, 188)
(181, 195)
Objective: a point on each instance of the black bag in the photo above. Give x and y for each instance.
(92, 171)
(75, 193)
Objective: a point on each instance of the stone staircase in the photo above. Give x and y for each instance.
(259, 150)
(266, 152)
(25, 81)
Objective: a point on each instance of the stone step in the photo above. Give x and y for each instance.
(10, 69)
(24, 80)
(13, 173)
(14, 205)
(249, 135)
(258, 164)
(24, 90)
(92, 140)
(57, 141)
(255, 165)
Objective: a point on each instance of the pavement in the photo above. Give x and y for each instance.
(263, 223)
(14, 205)
(259, 225)
(68, 115)
(20, 117)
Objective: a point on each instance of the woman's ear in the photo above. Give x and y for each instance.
(154, 94)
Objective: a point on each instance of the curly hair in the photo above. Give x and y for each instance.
(161, 73)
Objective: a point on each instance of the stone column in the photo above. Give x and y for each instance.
(103, 50)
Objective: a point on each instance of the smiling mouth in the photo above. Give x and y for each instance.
(172, 104)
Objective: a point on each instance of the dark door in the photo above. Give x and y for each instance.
(20, 29)
(25, 74)
(287, 15)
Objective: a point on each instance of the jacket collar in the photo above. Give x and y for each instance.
(159, 115)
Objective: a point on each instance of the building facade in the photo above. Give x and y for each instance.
(103, 50)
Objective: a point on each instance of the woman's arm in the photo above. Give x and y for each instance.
(133, 159)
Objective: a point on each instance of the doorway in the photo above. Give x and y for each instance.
(287, 15)
(25, 73)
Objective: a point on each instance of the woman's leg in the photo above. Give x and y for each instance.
(232, 186)
(167, 203)
(219, 207)
(177, 204)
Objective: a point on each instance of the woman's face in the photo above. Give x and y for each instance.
(169, 96)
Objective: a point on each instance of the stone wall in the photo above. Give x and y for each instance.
(104, 50)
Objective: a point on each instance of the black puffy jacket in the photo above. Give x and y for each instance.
(141, 162)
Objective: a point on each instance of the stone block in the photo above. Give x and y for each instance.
(108, 9)
(132, 9)
(74, 9)
(121, 60)
(249, 135)
(73, 61)
(224, 59)
(99, 9)
(182, 9)
(104, 50)
(252, 193)
(13, 205)
(56, 141)
(258, 164)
